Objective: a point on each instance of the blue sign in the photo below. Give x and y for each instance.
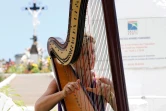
(132, 25)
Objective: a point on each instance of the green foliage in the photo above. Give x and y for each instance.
(20, 103)
(20, 69)
(10, 92)
(11, 69)
(35, 70)
(7, 90)
(1, 78)
(40, 67)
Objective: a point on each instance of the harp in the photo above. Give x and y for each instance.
(96, 18)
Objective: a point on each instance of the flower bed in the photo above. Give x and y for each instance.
(43, 66)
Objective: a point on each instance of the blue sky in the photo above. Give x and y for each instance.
(16, 27)
(16, 24)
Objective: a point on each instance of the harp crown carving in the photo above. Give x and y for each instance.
(67, 53)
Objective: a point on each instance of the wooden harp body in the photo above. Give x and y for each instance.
(63, 54)
(78, 101)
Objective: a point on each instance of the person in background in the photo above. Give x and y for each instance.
(98, 86)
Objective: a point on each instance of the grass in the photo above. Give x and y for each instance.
(10, 92)
(2, 78)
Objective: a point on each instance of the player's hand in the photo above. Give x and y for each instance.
(71, 87)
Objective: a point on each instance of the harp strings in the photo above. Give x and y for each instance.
(95, 27)
(98, 30)
(97, 99)
(83, 69)
(77, 94)
(80, 69)
(86, 63)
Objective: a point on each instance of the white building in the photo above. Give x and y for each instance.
(142, 30)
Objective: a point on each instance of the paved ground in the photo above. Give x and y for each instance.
(30, 86)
